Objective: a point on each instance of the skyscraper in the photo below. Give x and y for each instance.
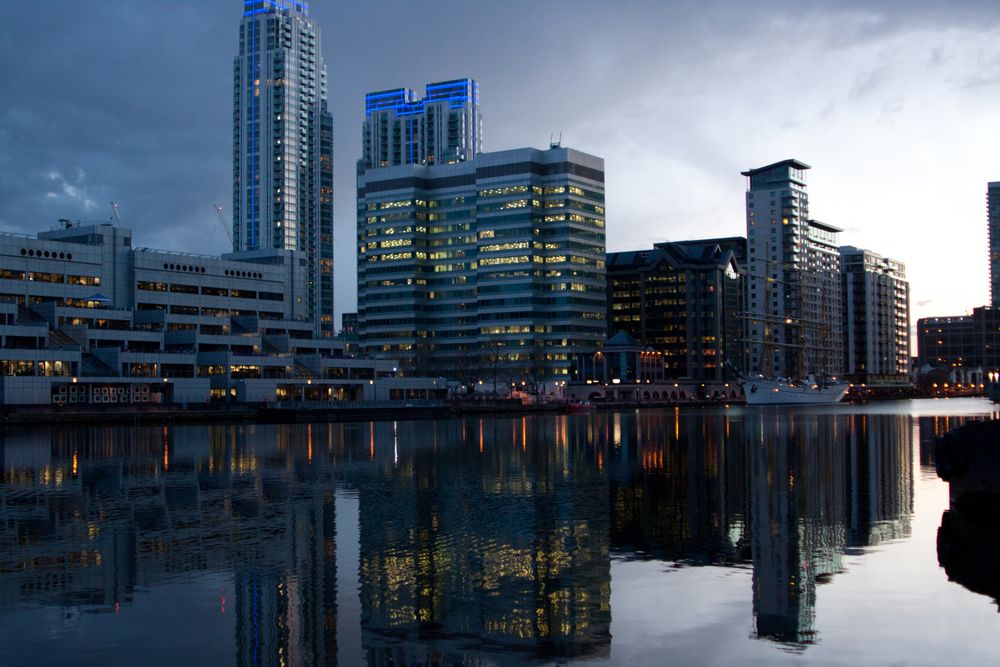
(441, 128)
(876, 317)
(793, 272)
(993, 208)
(283, 146)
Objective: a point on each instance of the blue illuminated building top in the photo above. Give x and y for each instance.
(251, 7)
(402, 101)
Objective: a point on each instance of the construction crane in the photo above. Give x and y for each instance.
(114, 209)
(225, 225)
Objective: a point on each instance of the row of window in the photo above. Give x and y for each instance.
(44, 277)
(208, 291)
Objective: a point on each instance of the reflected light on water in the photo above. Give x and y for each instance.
(479, 540)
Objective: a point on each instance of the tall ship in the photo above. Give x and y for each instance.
(783, 391)
(795, 336)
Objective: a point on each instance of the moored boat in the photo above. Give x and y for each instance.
(780, 391)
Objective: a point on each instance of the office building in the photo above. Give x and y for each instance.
(794, 296)
(965, 347)
(685, 301)
(85, 318)
(946, 341)
(283, 147)
(993, 215)
(490, 269)
(441, 128)
(876, 317)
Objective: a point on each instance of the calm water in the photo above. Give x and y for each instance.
(716, 536)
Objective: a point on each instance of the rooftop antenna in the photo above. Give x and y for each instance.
(114, 209)
(553, 142)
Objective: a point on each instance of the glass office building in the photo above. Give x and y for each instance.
(487, 270)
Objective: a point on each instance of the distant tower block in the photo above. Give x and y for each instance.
(443, 127)
(993, 208)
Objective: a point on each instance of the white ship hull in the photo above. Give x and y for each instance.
(762, 391)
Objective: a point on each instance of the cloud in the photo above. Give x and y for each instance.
(871, 82)
(677, 97)
(74, 192)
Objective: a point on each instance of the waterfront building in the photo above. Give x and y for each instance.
(964, 349)
(86, 318)
(685, 301)
(621, 360)
(946, 341)
(491, 269)
(283, 147)
(793, 268)
(443, 127)
(876, 317)
(993, 217)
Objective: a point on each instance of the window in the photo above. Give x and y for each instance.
(41, 277)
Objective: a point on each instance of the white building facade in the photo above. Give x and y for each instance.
(85, 318)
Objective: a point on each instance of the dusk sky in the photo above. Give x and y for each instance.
(896, 105)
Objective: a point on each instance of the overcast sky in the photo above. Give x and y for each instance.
(896, 105)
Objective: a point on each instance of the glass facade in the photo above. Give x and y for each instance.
(491, 270)
(443, 127)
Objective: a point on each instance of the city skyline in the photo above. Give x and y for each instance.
(134, 107)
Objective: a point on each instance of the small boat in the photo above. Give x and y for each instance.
(579, 406)
(781, 391)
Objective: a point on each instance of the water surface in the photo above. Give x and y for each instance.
(695, 536)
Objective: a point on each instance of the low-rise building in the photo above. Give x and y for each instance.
(964, 349)
(85, 318)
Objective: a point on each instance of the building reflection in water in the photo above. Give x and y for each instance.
(479, 540)
(785, 493)
(90, 515)
(501, 554)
